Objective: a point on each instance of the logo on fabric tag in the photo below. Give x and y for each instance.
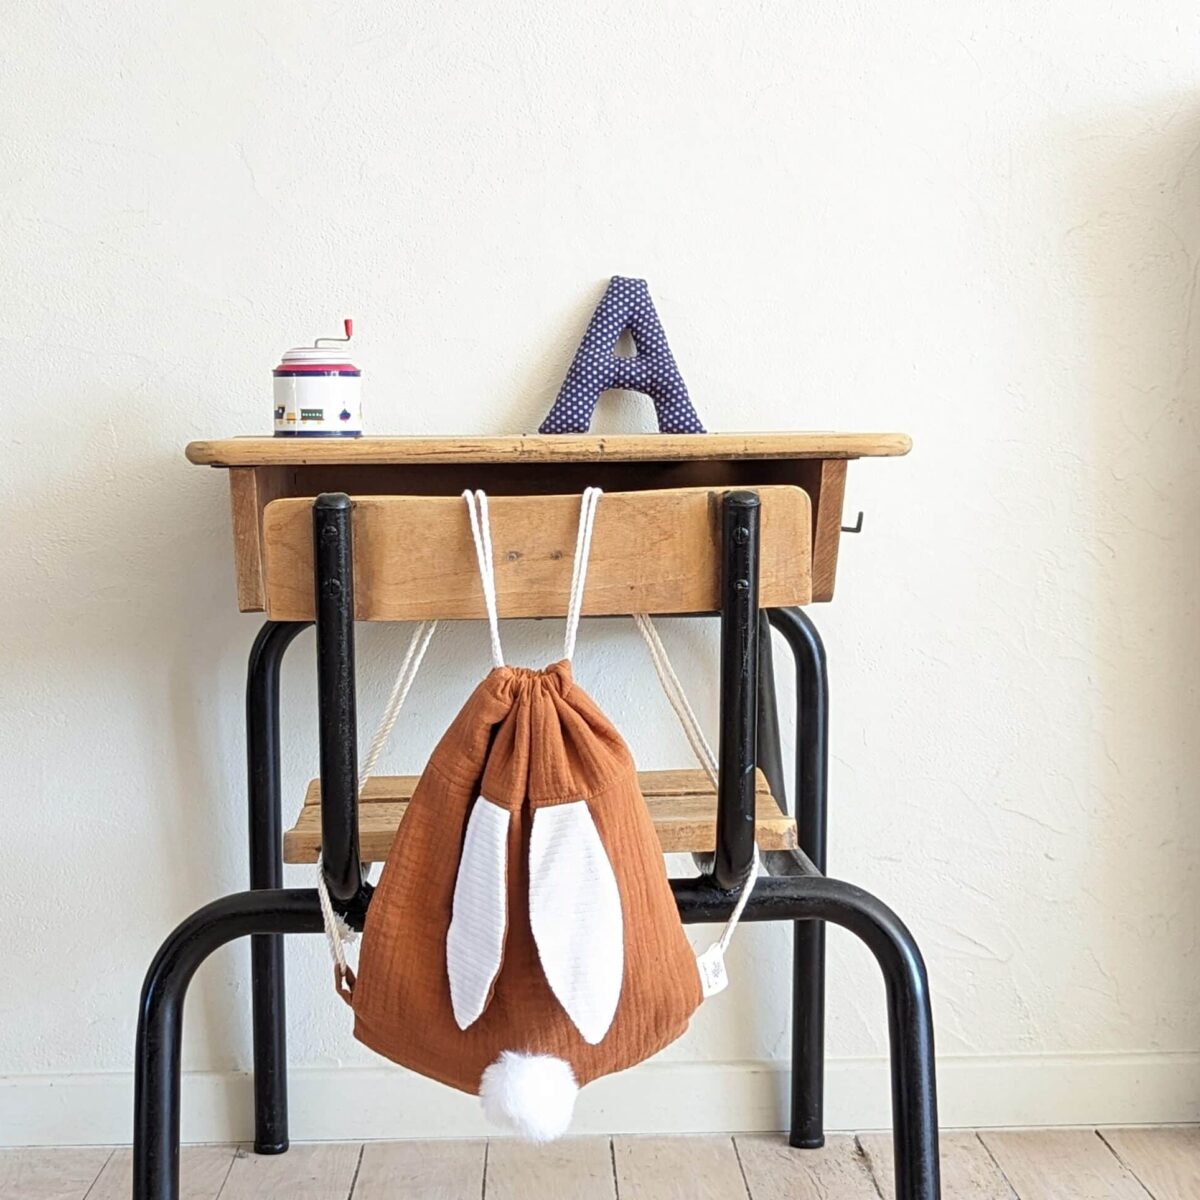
(713, 977)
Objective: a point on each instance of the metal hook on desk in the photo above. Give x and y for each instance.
(856, 527)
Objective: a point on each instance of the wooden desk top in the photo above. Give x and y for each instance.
(263, 469)
(548, 448)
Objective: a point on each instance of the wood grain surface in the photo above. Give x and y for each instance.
(1038, 1164)
(655, 551)
(635, 447)
(682, 805)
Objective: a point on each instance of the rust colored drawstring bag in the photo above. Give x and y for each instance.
(523, 939)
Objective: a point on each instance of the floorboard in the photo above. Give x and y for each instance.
(1166, 1160)
(1146, 1163)
(316, 1171)
(775, 1171)
(50, 1173)
(1061, 1164)
(678, 1168)
(579, 1168)
(449, 1170)
(968, 1170)
(202, 1173)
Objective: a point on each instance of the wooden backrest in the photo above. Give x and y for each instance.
(653, 551)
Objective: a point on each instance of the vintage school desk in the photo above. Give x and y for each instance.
(762, 575)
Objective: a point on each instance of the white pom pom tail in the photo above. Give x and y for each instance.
(532, 1094)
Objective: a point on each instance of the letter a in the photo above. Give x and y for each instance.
(596, 366)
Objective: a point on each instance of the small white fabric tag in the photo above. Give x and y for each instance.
(713, 977)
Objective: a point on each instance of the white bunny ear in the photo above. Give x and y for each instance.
(475, 939)
(575, 914)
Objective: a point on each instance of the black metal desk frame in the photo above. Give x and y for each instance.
(795, 888)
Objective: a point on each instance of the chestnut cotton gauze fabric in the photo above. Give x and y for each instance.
(525, 741)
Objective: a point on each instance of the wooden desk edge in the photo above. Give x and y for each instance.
(262, 469)
(652, 447)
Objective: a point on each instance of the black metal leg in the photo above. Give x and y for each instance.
(812, 728)
(266, 871)
(160, 1019)
(808, 938)
(770, 750)
(736, 754)
(815, 899)
(333, 556)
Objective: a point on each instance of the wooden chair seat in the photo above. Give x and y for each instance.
(682, 804)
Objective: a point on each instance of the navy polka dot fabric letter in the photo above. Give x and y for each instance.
(625, 305)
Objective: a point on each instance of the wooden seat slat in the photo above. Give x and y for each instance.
(682, 805)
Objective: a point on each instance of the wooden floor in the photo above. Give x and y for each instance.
(1059, 1164)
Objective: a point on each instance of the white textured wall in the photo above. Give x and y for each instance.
(978, 224)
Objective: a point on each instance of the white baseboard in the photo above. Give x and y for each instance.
(332, 1104)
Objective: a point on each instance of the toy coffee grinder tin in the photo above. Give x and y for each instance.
(318, 391)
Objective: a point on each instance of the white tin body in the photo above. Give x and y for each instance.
(318, 393)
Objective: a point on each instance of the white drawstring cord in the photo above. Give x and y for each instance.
(583, 548)
(337, 933)
(417, 646)
(711, 961)
(740, 907)
(676, 695)
(481, 531)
